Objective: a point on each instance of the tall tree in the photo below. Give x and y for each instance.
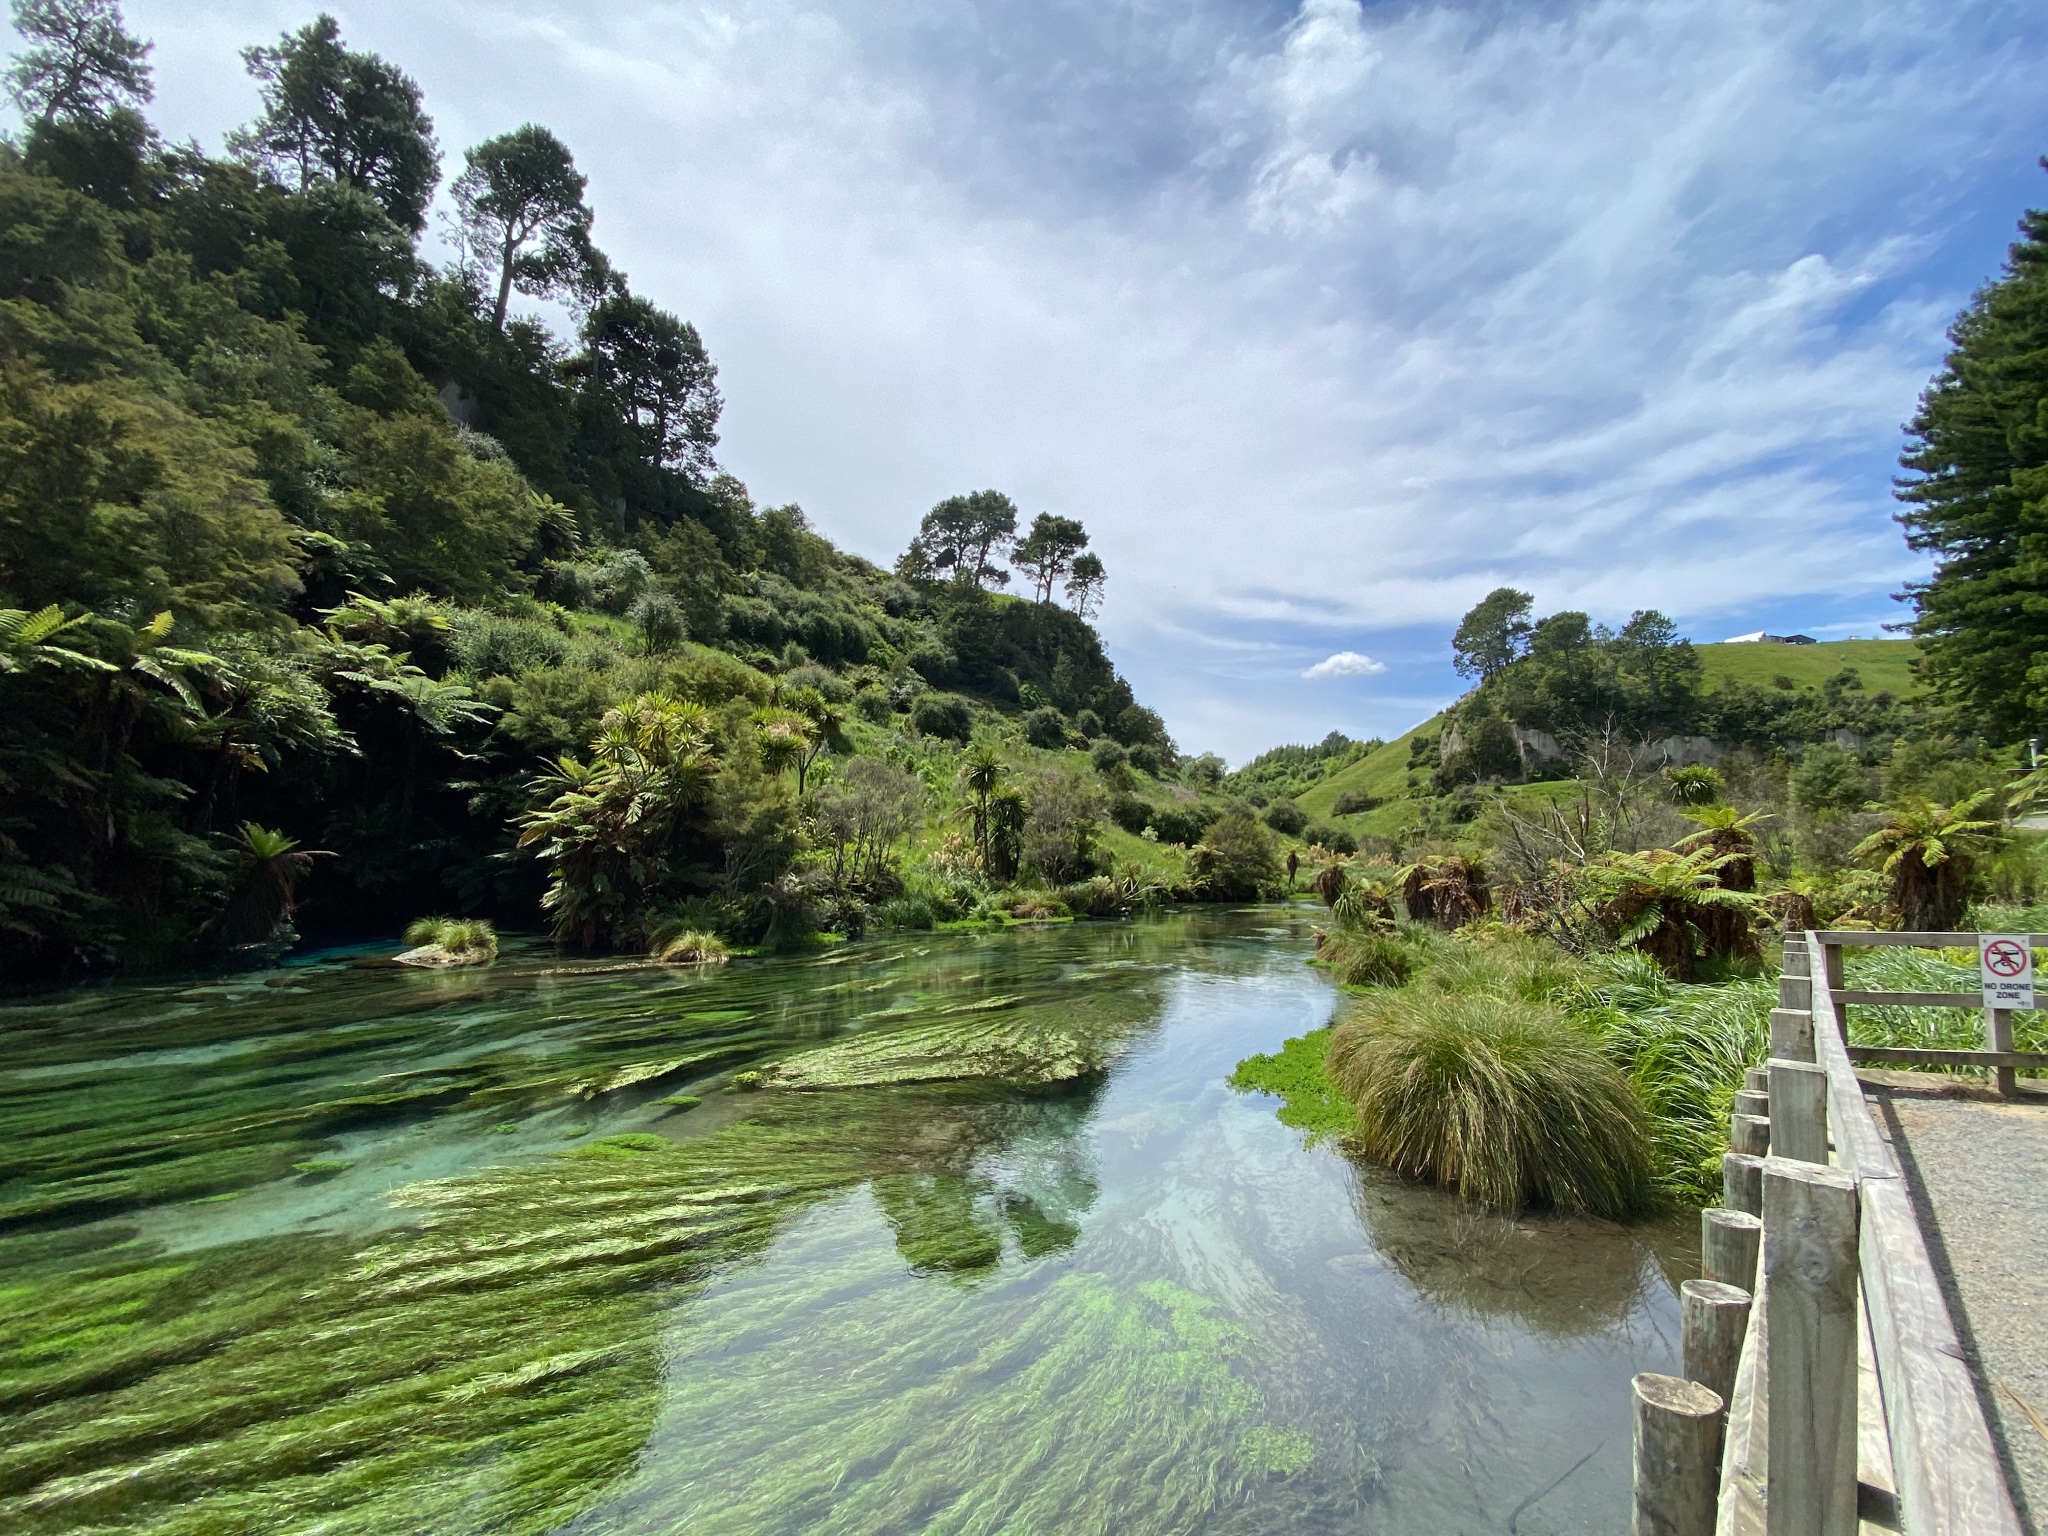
(1084, 584)
(1977, 499)
(83, 63)
(959, 538)
(524, 223)
(1493, 634)
(653, 369)
(1047, 552)
(330, 114)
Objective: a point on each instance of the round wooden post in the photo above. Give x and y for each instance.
(1756, 1079)
(1729, 1242)
(1810, 1216)
(1798, 961)
(1677, 1457)
(1792, 1034)
(1742, 1183)
(1749, 1101)
(1712, 1320)
(1799, 1111)
(1998, 1037)
(1796, 993)
(1750, 1133)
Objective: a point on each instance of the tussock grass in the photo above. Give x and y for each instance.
(1503, 1100)
(692, 946)
(462, 936)
(1366, 959)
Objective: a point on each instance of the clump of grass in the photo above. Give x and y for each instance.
(1367, 959)
(1299, 1074)
(1506, 1102)
(320, 1167)
(693, 946)
(748, 1082)
(462, 937)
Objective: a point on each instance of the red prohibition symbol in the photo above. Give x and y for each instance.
(2004, 958)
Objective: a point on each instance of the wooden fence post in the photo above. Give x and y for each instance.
(1729, 1243)
(1998, 1037)
(1712, 1319)
(1799, 1111)
(1792, 1034)
(1809, 1264)
(1742, 1183)
(1749, 1133)
(1677, 1457)
(1748, 1101)
(1756, 1079)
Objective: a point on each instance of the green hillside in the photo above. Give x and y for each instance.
(1886, 666)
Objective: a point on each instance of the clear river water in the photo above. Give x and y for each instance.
(352, 1248)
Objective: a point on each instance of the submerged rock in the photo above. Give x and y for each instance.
(434, 957)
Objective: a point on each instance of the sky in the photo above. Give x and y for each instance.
(1325, 318)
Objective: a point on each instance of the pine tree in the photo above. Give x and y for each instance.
(1977, 499)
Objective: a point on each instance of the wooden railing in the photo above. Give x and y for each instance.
(1818, 1227)
(2005, 1063)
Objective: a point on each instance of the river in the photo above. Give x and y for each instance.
(350, 1248)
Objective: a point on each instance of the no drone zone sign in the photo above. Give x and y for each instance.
(2007, 966)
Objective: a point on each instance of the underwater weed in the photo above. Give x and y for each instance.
(1504, 1101)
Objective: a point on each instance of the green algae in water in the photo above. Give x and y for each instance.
(974, 1301)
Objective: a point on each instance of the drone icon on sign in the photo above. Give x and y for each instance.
(2002, 957)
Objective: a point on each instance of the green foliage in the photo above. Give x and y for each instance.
(1506, 1102)
(1493, 634)
(1928, 852)
(1365, 957)
(1236, 859)
(945, 715)
(1299, 1075)
(1046, 728)
(1285, 817)
(690, 946)
(462, 937)
(1977, 493)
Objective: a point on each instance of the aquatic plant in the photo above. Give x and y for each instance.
(1299, 1073)
(1508, 1103)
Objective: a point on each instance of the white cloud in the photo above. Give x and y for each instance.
(1345, 664)
(1324, 327)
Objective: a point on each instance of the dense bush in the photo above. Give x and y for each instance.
(1182, 822)
(1323, 835)
(1130, 812)
(1354, 802)
(1046, 728)
(1285, 817)
(943, 714)
(1107, 755)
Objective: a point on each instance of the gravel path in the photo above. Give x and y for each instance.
(1978, 1166)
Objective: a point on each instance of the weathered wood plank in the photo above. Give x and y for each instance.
(1949, 1479)
(1810, 1273)
(1856, 938)
(1913, 1055)
(1798, 1110)
(1909, 999)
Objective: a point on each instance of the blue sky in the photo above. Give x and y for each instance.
(1326, 319)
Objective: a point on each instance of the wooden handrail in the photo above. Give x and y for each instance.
(1866, 938)
(1950, 1483)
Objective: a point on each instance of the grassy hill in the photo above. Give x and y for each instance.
(1886, 666)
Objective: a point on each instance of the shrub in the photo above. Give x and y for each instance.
(1355, 802)
(1148, 757)
(692, 946)
(1088, 723)
(1183, 824)
(454, 935)
(1286, 818)
(1237, 861)
(659, 618)
(1206, 769)
(906, 912)
(942, 714)
(1336, 839)
(490, 644)
(1505, 1102)
(1107, 755)
(1046, 728)
(1130, 813)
